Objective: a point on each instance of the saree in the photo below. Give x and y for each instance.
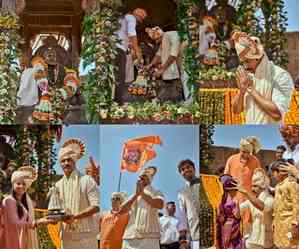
(229, 224)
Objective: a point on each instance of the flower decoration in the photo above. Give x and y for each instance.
(10, 41)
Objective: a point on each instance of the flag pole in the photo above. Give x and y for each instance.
(119, 181)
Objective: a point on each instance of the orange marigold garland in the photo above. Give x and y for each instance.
(214, 192)
(292, 116)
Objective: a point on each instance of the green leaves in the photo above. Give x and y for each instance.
(10, 41)
(100, 48)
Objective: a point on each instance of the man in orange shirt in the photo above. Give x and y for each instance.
(112, 224)
(241, 167)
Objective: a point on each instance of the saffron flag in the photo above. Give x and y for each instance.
(136, 152)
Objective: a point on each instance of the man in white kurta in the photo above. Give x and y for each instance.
(168, 56)
(265, 89)
(143, 229)
(169, 225)
(80, 198)
(128, 43)
(260, 205)
(188, 199)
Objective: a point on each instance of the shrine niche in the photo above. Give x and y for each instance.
(57, 57)
(52, 31)
(61, 46)
(55, 17)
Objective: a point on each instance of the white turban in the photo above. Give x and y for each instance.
(72, 148)
(260, 178)
(247, 47)
(67, 153)
(26, 173)
(250, 144)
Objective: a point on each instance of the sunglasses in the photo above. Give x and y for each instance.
(115, 199)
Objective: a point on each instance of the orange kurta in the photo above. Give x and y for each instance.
(112, 229)
(243, 174)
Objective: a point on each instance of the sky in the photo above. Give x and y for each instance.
(231, 135)
(292, 8)
(105, 143)
(179, 142)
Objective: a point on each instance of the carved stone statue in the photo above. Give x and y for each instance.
(57, 58)
(15, 6)
(225, 15)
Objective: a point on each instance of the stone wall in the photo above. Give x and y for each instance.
(293, 54)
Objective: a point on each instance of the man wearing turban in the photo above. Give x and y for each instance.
(260, 205)
(113, 224)
(265, 89)
(80, 196)
(143, 230)
(241, 167)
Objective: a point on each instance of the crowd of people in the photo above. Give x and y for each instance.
(265, 89)
(137, 221)
(133, 222)
(259, 206)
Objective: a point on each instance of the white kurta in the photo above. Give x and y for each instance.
(141, 244)
(129, 69)
(28, 90)
(169, 230)
(278, 88)
(261, 234)
(170, 46)
(143, 229)
(188, 199)
(194, 245)
(82, 233)
(127, 29)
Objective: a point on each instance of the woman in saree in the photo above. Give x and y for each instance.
(228, 218)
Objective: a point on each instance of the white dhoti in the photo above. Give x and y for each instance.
(84, 240)
(141, 244)
(187, 94)
(194, 244)
(129, 69)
